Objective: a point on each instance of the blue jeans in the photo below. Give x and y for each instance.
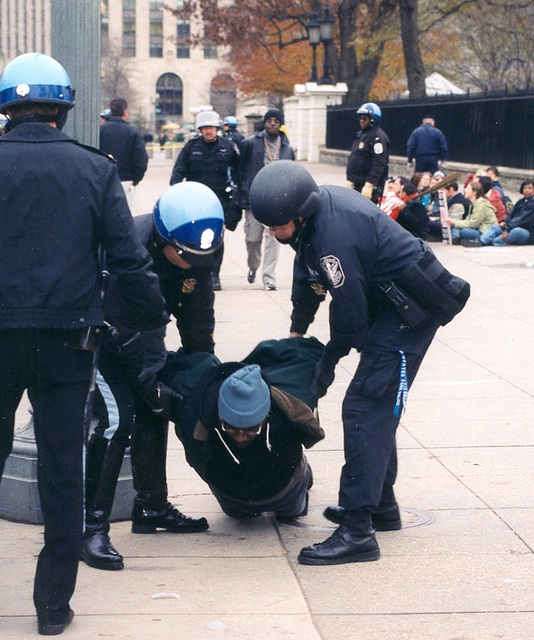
(465, 232)
(515, 236)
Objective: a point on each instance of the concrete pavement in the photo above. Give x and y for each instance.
(462, 567)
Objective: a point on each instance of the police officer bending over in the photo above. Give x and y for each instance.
(61, 201)
(184, 237)
(389, 295)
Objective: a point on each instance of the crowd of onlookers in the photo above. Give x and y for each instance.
(476, 212)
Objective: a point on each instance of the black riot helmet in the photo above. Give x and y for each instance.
(283, 191)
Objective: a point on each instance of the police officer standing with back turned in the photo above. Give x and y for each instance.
(368, 164)
(61, 201)
(389, 296)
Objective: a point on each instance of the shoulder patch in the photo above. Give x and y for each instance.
(333, 270)
(378, 148)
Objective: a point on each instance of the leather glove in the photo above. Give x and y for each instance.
(160, 398)
(367, 190)
(350, 184)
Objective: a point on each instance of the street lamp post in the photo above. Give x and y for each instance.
(327, 35)
(314, 35)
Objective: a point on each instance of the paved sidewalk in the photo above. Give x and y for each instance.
(462, 567)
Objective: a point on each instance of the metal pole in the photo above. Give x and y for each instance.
(75, 43)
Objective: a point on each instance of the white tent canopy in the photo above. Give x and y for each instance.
(437, 85)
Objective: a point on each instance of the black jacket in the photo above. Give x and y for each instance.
(522, 215)
(369, 157)
(263, 468)
(58, 202)
(348, 247)
(119, 139)
(207, 163)
(252, 159)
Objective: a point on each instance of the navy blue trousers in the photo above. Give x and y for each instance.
(373, 405)
(57, 378)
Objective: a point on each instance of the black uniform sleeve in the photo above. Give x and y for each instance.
(306, 297)
(181, 166)
(195, 316)
(139, 158)
(127, 259)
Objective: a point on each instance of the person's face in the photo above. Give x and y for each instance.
(272, 126)
(284, 233)
(397, 187)
(241, 437)
(528, 190)
(174, 257)
(209, 133)
(425, 181)
(468, 192)
(365, 121)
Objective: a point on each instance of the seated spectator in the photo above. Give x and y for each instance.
(392, 202)
(518, 226)
(480, 218)
(494, 174)
(413, 215)
(433, 206)
(254, 434)
(494, 197)
(421, 181)
(458, 208)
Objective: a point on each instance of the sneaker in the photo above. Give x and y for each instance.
(270, 286)
(251, 277)
(474, 242)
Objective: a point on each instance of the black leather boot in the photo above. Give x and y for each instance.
(104, 460)
(153, 511)
(353, 541)
(385, 518)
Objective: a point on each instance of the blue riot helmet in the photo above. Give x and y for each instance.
(36, 77)
(231, 121)
(370, 109)
(190, 217)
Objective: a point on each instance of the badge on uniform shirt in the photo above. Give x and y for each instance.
(189, 285)
(334, 272)
(361, 145)
(378, 148)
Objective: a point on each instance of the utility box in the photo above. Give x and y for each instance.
(19, 493)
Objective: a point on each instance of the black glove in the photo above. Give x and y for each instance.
(163, 400)
(325, 370)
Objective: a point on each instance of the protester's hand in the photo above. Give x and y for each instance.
(504, 235)
(350, 184)
(367, 190)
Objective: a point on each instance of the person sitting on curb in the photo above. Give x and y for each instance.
(254, 434)
(518, 226)
(480, 218)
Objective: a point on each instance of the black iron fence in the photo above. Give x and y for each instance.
(484, 129)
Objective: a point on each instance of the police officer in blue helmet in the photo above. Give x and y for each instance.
(62, 207)
(184, 236)
(368, 163)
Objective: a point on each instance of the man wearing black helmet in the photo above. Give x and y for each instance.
(368, 164)
(389, 296)
(61, 202)
(184, 236)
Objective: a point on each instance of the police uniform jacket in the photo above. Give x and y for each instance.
(267, 466)
(59, 201)
(427, 140)
(119, 139)
(347, 247)
(208, 163)
(252, 159)
(369, 157)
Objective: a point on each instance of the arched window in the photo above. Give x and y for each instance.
(169, 89)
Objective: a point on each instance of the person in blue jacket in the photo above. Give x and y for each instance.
(62, 208)
(428, 146)
(389, 295)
